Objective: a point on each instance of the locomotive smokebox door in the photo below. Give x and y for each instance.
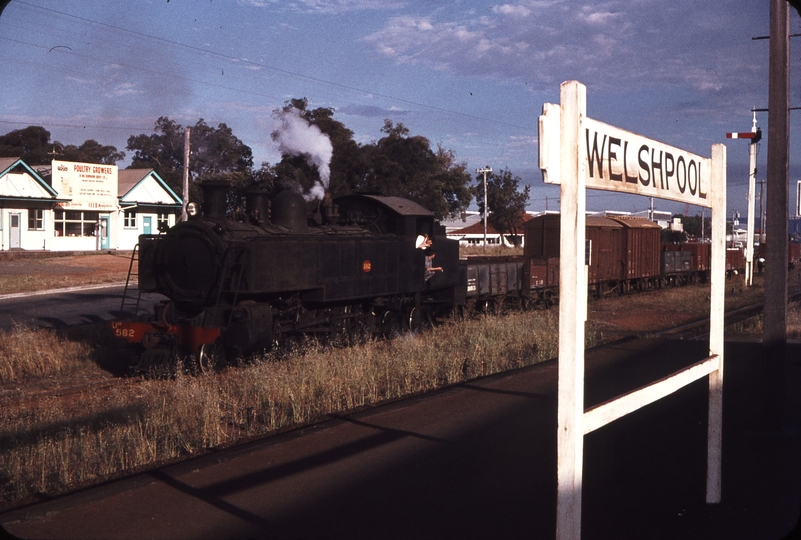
(188, 259)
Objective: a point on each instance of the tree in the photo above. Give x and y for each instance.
(163, 151)
(216, 153)
(346, 164)
(406, 166)
(90, 151)
(32, 144)
(506, 203)
(693, 227)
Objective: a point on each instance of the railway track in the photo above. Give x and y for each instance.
(699, 329)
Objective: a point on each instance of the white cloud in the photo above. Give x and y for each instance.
(636, 45)
(123, 89)
(509, 9)
(325, 6)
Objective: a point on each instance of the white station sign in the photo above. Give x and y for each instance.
(613, 159)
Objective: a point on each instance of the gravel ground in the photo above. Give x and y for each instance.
(31, 274)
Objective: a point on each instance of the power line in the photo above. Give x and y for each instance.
(278, 70)
(83, 126)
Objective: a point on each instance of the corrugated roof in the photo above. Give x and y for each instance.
(128, 178)
(7, 162)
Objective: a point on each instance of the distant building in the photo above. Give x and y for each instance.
(146, 203)
(465, 219)
(26, 207)
(71, 206)
(473, 234)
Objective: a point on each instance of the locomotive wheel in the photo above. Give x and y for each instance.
(416, 319)
(210, 357)
(391, 326)
(470, 309)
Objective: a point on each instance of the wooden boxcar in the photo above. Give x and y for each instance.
(691, 262)
(604, 237)
(793, 253)
(623, 251)
(640, 261)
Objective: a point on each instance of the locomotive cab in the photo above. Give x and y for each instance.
(408, 220)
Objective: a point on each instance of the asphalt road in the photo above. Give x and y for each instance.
(68, 307)
(478, 460)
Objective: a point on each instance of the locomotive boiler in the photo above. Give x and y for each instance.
(235, 286)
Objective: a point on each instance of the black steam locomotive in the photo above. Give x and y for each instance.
(353, 268)
(239, 285)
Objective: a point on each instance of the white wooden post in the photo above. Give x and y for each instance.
(716, 312)
(572, 306)
(749, 244)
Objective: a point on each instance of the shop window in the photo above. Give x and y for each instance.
(35, 219)
(75, 223)
(129, 219)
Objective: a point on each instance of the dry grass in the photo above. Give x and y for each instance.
(51, 445)
(27, 354)
(493, 251)
(754, 325)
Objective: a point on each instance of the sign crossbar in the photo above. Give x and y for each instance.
(618, 407)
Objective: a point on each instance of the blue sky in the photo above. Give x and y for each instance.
(471, 76)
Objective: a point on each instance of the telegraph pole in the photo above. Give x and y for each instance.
(184, 217)
(485, 170)
(774, 336)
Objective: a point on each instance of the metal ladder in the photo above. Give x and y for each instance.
(132, 301)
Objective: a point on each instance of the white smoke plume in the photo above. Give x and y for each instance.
(297, 137)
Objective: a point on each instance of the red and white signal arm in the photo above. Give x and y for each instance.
(755, 136)
(741, 135)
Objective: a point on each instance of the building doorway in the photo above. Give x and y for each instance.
(105, 242)
(14, 231)
(147, 227)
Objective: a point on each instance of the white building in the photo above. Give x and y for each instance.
(146, 205)
(26, 207)
(73, 206)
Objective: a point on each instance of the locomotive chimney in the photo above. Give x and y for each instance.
(215, 194)
(257, 206)
(289, 210)
(331, 210)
